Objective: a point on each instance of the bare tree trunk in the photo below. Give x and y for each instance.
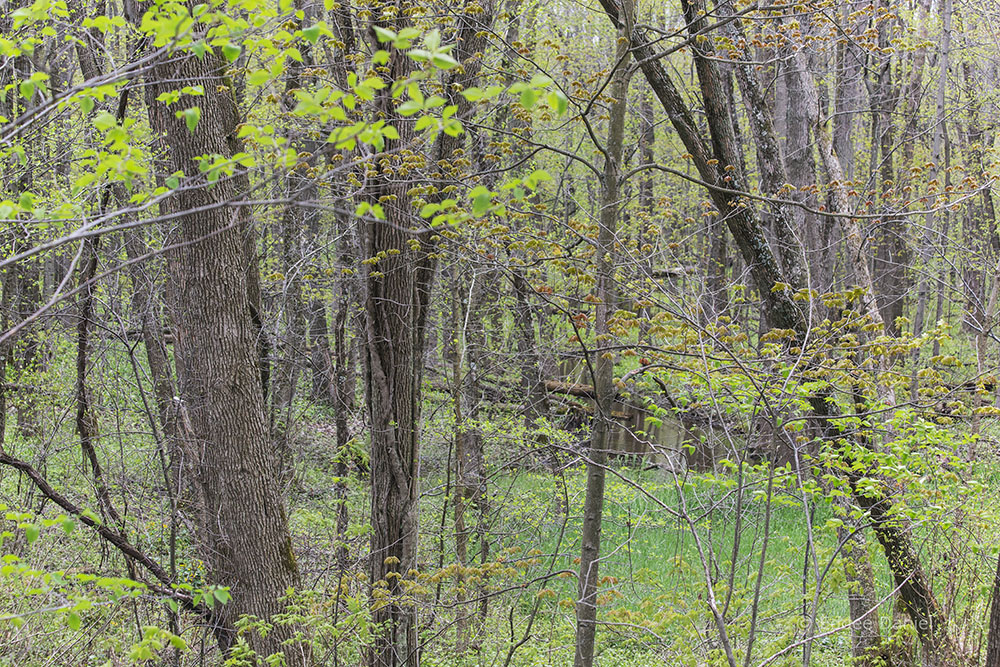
(892, 254)
(243, 534)
(602, 363)
(396, 298)
(926, 271)
(993, 638)
(337, 378)
(459, 308)
(847, 95)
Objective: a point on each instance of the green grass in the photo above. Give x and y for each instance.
(656, 588)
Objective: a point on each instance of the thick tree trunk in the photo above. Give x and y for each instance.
(395, 302)
(396, 292)
(243, 532)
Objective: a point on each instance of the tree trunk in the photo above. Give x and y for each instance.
(395, 295)
(925, 248)
(602, 363)
(243, 533)
(892, 253)
(993, 639)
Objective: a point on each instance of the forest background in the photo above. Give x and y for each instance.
(498, 332)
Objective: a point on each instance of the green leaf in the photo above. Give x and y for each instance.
(191, 117)
(84, 180)
(481, 204)
(443, 61)
(86, 104)
(27, 89)
(104, 121)
(68, 525)
(231, 51)
(312, 33)
(420, 55)
(169, 97)
(383, 34)
(558, 102)
(259, 77)
(536, 177)
(528, 97)
(31, 532)
(222, 595)
(432, 40)
(73, 620)
(26, 201)
(409, 107)
(200, 48)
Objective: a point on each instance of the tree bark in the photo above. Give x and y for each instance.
(993, 638)
(602, 363)
(927, 241)
(243, 533)
(770, 161)
(892, 253)
(396, 292)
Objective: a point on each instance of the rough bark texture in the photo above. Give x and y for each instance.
(243, 531)
(993, 639)
(770, 162)
(396, 292)
(740, 217)
(892, 253)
